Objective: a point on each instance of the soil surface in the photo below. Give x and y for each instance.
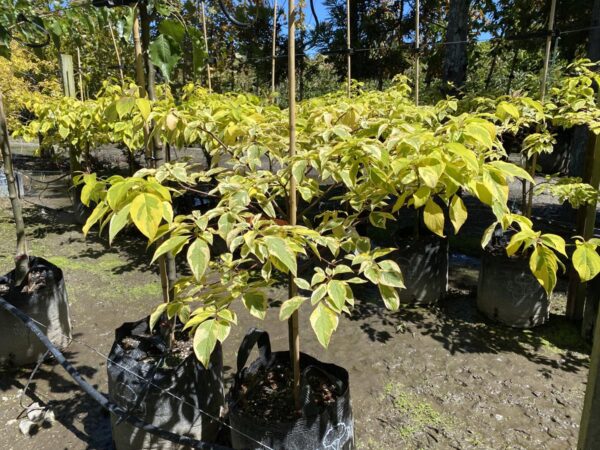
(442, 377)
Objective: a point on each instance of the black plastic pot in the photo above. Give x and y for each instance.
(558, 160)
(138, 381)
(48, 305)
(509, 293)
(317, 429)
(424, 266)
(592, 303)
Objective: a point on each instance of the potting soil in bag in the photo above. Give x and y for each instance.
(43, 297)
(325, 421)
(140, 372)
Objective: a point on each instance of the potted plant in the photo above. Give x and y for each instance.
(35, 286)
(530, 263)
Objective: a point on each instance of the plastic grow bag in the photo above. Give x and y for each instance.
(509, 293)
(48, 305)
(329, 428)
(137, 382)
(424, 266)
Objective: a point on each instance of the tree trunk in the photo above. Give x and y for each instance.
(21, 257)
(455, 57)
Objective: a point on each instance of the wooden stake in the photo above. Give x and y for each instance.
(66, 64)
(81, 96)
(117, 52)
(140, 76)
(542, 92)
(21, 256)
(274, 47)
(349, 49)
(293, 330)
(417, 49)
(208, 75)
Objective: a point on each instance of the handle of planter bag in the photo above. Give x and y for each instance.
(254, 337)
(305, 388)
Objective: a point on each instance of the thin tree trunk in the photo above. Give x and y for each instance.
(21, 256)
(455, 57)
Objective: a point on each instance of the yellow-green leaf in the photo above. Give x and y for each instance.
(586, 261)
(458, 213)
(256, 303)
(337, 293)
(118, 222)
(280, 249)
(198, 257)
(175, 242)
(146, 213)
(433, 216)
(543, 264)
(290, 306)
(324, 322)
(144, 106)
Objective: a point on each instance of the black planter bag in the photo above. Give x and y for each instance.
(145, 397)
(509, 293)
(47, 305)
(330, 428)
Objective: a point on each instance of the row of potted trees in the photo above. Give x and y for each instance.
(362, 164)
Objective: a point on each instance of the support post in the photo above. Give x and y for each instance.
(544, 81)
(274, 47)
(116, 47)
(81, 96)
(68, 77)
(208, 74)
(417, 50)
(589, 429)
(349, 49)
(293, 329)
(21, 256)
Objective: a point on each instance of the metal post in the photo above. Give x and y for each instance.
(293, 328)
(274, 47)
(208, 75)
(417, 49)
(349, 45)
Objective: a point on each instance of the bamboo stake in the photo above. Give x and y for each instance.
(140, 76)
(80, 75)
(117, 52)
(543, 92)
(293, 328)
(417, 49)
(21, 256)
(206, 47)
(349, 49)
(274, 47)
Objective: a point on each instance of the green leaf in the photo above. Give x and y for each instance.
(118, 222)
(586, 261)
(124, 106)
(458, 213)
(505, 109)
(430, 174)
(256, 303)
(513, 170)
(298, 169)
(337, 293)
(280, 249)
(146, 213)
(156, 315)
(170, 244)
(290, 306)
(302, 283)
(480, 134)
(421, 196)
(433, 216)
(198, 257)
(172, 28)
(96, 215)
(324, 322)
(390, 297)
(163, 56)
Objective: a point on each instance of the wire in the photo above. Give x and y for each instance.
(151, 384)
